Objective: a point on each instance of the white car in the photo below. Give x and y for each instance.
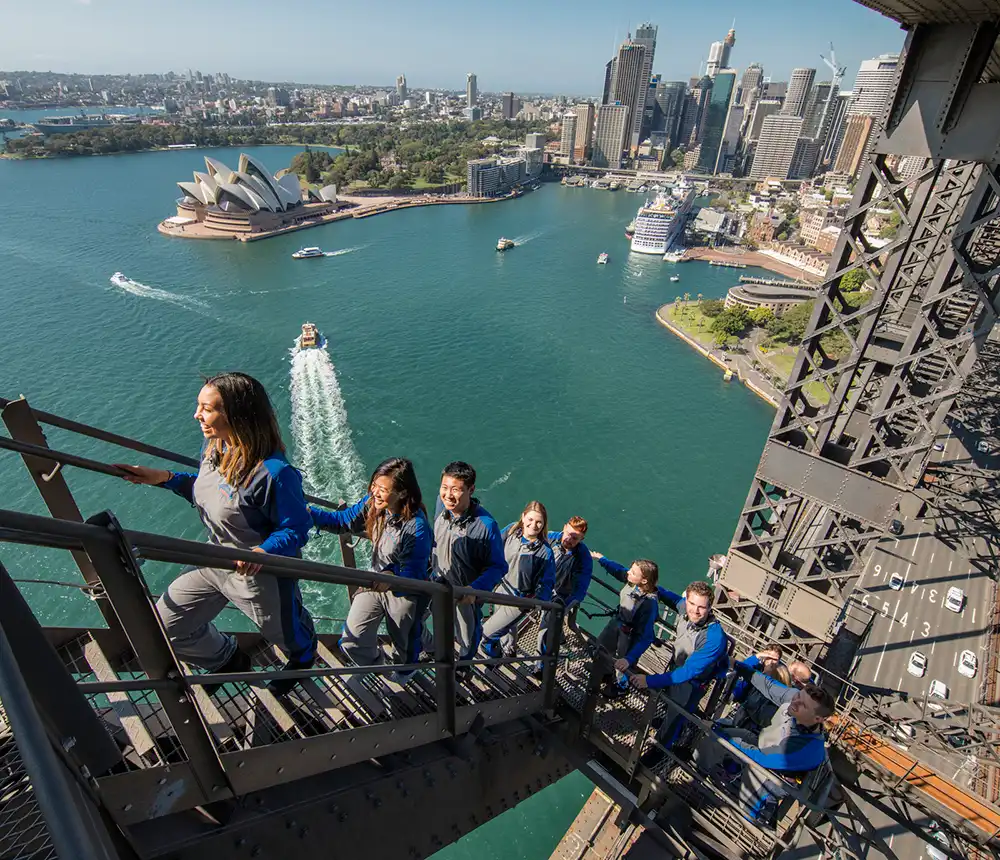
(968, 665)
(918, 664)
(955, 599)
(938, 689)
(938, 446)
(896, 581)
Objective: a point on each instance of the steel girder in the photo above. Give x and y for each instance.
(873, 383)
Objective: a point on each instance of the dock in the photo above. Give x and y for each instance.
(727, 265)
(776, 282)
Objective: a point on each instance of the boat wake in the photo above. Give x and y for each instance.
(343, 251)
(122, 282)
(528, 237)
(503, 479)
(324, 450)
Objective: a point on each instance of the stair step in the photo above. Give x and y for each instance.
(353, 685)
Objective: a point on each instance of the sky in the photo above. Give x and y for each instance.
(520, 45)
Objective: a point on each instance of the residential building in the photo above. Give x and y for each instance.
(813, 220)
(826, 241)
(584, 131)
(716, 117)
(873, 88)
(401, 88)
(798, 92)
(850, 156)
(776, 299)
(628, 86)
(494, 177)
(776, 147)
(718, 54)
(567, 139)
(610, 135)
(508, 108)
(471, 90)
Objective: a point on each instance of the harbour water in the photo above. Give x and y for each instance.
(546, 371)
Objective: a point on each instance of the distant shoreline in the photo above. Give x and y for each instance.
(11, 156)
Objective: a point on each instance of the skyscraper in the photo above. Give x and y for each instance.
(718, 54)
(750, 86)
(850, 157)
(668, 110)
(645, 35)
(694, 108)
(507, 106)
(567, 140)
(830, 139)
(609, 74)
(775, 150)
(716, 117)
(584, 131)
(628, 86)
(610, 135)
(471, 90)
(873, 87)
(798, 91)
(818, 105)
(401, 88)
(761, 111)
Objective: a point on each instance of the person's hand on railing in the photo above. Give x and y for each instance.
(597, 556)
(621, 665)
(143, 474)
(638, 681)
(248, 568)
(468, 600)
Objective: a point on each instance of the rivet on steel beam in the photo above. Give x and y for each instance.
(332, 808)
(281, 769)
(291, 824)
(161, 781)
(126, 807)
(241, 764)
(255, 851)
(241, 842)
(303, 833)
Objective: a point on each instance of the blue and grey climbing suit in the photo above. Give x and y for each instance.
(270, 513)
(631, 629)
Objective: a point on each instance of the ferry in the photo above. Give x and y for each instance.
(310, 337)
(505, 244)
(603, 258)
(305, 253)
(675, 278)
(660, 222)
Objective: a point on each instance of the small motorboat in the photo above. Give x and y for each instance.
(630, 229)
(306, 253)
(603, 258)
(310, 337)
(675, 278)
(505, 244)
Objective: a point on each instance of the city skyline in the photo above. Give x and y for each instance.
(117, 42)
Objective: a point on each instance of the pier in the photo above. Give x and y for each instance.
(727, 265)
(776, 282)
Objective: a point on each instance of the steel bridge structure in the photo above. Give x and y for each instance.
(112, 748)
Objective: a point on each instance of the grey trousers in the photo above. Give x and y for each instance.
(759, 793)
(360, 637)
(468, 630)
(193, 600)
(501, 625)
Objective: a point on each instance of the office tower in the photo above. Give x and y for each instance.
(772, 159)
(609, 74)
(401, 88)
(507, 106)
(716, 116)
(774, 89)
(853, 147)
(718, 54)
(798, 91)
(567, 140)
(645, 35)
(584, 131)
(750, 86)
(873, 86)
(610, 135)
(818, 107)
(428, 98)
(731, 139)
(834, 134)
(471, 90)
(628, 86)
(668, 109)
(804, 158)
(694, 108)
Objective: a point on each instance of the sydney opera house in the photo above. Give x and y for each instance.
(222, 203)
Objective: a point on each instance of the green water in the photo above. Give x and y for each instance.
(544, 370)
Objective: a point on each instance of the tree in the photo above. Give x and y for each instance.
(712, 308)
(732, 321)
(677, 300)
(761, 316)
(687, 297)
(677, 156)
(853, 281)
(791, 325)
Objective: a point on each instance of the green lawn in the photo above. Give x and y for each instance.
(692, 322)
(783, 362)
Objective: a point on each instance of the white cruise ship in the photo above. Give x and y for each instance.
(658, 224)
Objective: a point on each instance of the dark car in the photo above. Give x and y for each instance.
(895, 527)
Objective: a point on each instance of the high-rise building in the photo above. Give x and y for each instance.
(798, 91)
(584, 131)
(716, 117)
(718, 54)
(818, 107)
(857, 131)
(628, 86)
(750, 86)
(645, 35)
(428, 98)
(668, 110)
(761, 111)
(804, 158)
(834, 134)
(609, 74)
(774, 89)
(534, 140)
(507, 106)
(873, 86)
(695, 103)
(401, 88)
(779, 134)
(471, 90)
(731, 140)
(610, 135)
(567, 139)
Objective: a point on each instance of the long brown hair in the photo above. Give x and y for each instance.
(539, 508)
(253, 427)
(404, 481)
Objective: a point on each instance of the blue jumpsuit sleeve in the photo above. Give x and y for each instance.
(773, 690)
(670, 597)
(287, 510)
(698, 664)
(646, 635)
(348, 521)
(506, 530)
(586, 574)
(618, 571)
(496, 564)
(548, 582)
(181, 483)
(413, 552)
(742, 685)
(796, 754)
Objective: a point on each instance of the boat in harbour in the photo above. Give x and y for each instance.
(603, 258)
(660, 222)
(675, 278)
(310, 337)
(630, 229)
(306, 253)
(83, 122)
(504, 244)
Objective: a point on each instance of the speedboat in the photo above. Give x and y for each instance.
(630, 229)
(305, 253)
(675, 278)
(310, 337)
(505, 244)
(602, 258)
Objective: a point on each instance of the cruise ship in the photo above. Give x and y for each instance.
(658, 224)
(83, 122)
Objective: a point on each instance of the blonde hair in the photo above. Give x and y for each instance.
(538, 507)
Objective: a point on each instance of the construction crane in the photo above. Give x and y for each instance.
(838, 71)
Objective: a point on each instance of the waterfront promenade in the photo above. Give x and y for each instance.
(751, 258)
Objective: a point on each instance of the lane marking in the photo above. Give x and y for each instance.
(973, 614)
(914, 552)
(931, 561)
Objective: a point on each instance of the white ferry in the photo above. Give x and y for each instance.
(658, 224)
(602, 258)
(311, 338)
(505, 244)
(306, 253)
